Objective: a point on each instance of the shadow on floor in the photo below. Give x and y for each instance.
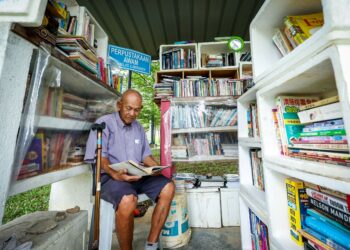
(202, 239)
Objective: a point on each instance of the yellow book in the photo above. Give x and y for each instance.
(309, 24)
(297, 204)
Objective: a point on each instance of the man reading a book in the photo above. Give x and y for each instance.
(124, 139)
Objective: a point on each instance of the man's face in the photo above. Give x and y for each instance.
(129, 108)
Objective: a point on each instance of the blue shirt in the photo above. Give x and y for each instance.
(120, 142)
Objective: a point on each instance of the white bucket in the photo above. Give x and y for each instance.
(176, 231)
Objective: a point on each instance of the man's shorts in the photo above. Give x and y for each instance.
(113, 191)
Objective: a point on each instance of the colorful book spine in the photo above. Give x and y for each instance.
(320, 239)
(322, 102)
(327, 112)
(323, 133)
(297, 205)
(329, 231)
(336, 214)
(329, 200)
(321, 217)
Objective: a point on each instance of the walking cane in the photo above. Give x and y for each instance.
(96, 214)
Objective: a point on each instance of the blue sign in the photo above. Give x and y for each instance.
(129, 59)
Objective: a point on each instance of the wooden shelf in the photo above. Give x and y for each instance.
(204, 158)
(47, 178)
(48, 122)
(204, 130)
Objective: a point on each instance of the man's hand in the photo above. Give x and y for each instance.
(122, 175)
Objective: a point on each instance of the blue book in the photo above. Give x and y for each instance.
(325, 219)
(323, 238)
(329, 231)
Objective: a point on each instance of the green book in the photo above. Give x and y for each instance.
(324, 133)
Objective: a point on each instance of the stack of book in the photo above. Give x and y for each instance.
(73, 107)
(318, 132)
(195, 116)
(259, 233)
(296, 30)
(257, 169)
(178, 58)
(179, 152)
(98, 108)
(230, 150)
(324, 219)
(166, 86)
(253, 121)
(215, 60)
(80, 51)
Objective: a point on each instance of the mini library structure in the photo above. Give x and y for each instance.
(280, 108)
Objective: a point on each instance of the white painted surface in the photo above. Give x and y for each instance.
(15, 56)
(26, 12)
(75, 191)
(204, 207)
(48, 178)
(229, 198)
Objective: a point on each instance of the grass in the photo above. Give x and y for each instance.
(31, 201)
(215, 167)
(38, 199)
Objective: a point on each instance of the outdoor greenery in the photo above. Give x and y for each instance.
(34, 200)
(144, 84)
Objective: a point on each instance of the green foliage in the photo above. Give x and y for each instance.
(144, 84)
(218, 168)
(34, 200)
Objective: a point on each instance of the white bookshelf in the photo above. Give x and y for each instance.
(267, 60)
(316, 67)
(48, 178)
(169, 47)
(99, 34)
(55, 123)
(215, 48)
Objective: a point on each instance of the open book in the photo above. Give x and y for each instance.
(136, 169)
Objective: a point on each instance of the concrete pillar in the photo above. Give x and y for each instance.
(15, 56)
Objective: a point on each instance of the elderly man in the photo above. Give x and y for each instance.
(125, 139)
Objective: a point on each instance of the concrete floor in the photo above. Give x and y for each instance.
(201, 239)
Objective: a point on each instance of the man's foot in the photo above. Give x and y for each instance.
(151, 246)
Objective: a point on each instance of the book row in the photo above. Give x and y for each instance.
(57, 102)
(257, 168)
(259, 232)
(199, 86)
(186, 146)
(253, 120)
(312, 129)
(319, 217)
(51, 150)
(179, 58)
(296, 30)
(201, 116)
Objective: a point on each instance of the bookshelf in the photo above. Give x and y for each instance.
(209, 51)
(100, 35)
(178, 56)
(23, 47)
(316, 67)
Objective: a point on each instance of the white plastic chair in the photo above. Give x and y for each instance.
(107, 223)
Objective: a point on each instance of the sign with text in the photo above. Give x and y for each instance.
(129, 59)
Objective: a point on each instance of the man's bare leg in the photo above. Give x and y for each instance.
(124, 221)
(161, 211)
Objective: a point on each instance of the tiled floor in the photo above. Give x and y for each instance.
(201, 239)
